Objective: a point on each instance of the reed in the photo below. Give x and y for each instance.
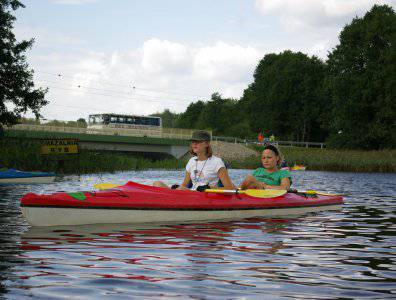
(25, 155)
(331, 159)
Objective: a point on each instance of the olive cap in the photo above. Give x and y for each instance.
(200, 135)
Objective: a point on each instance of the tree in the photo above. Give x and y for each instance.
(286, 97)
(168, 118)
(189, 118)
(362, 82)
(17, 92)
(81, 122)
(217, 115)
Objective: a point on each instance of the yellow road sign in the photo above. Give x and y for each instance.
(59, 146)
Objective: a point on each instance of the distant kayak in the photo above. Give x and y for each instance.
(16, 176)
(138, 203)
(298, 168)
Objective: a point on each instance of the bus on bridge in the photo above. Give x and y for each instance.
(99, 121)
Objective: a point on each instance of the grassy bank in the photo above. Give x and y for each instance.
(331, 160)
(25, 155)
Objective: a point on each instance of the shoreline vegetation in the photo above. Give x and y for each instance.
(25, 155)
(315, 159)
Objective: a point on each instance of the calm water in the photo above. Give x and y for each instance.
(346, 254)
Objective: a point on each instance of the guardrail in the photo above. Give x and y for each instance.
(301, 144)
(276, 143)
(171, 133)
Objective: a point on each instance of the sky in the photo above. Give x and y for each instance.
(144, 56)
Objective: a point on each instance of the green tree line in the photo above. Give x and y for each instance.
(347, 101)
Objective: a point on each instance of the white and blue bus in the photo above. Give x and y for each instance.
(124, 121)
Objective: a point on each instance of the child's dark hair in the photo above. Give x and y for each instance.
(273, 149)
(276, 151)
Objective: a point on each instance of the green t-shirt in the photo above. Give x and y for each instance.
(273, 178)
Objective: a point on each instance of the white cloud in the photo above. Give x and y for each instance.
(165, 74)
(316, 15)
(225, 62)
(164, 56)
(313, 26)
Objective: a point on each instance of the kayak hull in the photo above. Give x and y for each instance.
(40, 179)
(49, 216)
(136, 203)
(16, 176)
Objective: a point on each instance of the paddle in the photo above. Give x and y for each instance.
(312, 192)
(105, 186)
(268, 193)
(251, 192)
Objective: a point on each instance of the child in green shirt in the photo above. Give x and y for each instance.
(269, 176)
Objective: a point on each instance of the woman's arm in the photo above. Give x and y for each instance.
(225, 179)
(185, 182)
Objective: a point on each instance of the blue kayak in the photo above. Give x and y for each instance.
(16, 176)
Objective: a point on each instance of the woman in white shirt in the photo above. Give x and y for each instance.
(203, 169)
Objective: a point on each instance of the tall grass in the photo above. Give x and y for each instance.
(331, 160)
(25, 155)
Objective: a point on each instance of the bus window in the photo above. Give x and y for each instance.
(154, 122)
(138, 121)
(106, 119)
(99, 119)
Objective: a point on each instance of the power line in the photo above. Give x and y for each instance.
(113, 91)
(107, 95)
(85, 107)
(59, 75)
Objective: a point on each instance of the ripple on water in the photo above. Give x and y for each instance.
(329, 255)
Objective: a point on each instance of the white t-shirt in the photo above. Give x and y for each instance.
(204, 172)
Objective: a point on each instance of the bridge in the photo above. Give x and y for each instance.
(173, 141)
(174, 147)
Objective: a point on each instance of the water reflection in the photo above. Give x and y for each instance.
(340, 254)
(187, 253)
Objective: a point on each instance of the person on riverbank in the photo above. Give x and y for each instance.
(270, 176)
(203, 170)
(260, 138)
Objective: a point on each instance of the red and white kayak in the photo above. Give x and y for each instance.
(137, 203)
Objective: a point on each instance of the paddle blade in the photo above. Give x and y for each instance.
(250, 192)
(312, 192)
(268, 193)
(105, 186)
(227, 192)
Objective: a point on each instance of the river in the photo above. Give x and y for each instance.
(345, 254)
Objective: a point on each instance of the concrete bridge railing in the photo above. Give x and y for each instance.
(169, 133)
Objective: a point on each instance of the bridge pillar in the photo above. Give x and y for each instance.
(176, 151)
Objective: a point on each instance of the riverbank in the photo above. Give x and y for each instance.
(25, 155)
(329, 159)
